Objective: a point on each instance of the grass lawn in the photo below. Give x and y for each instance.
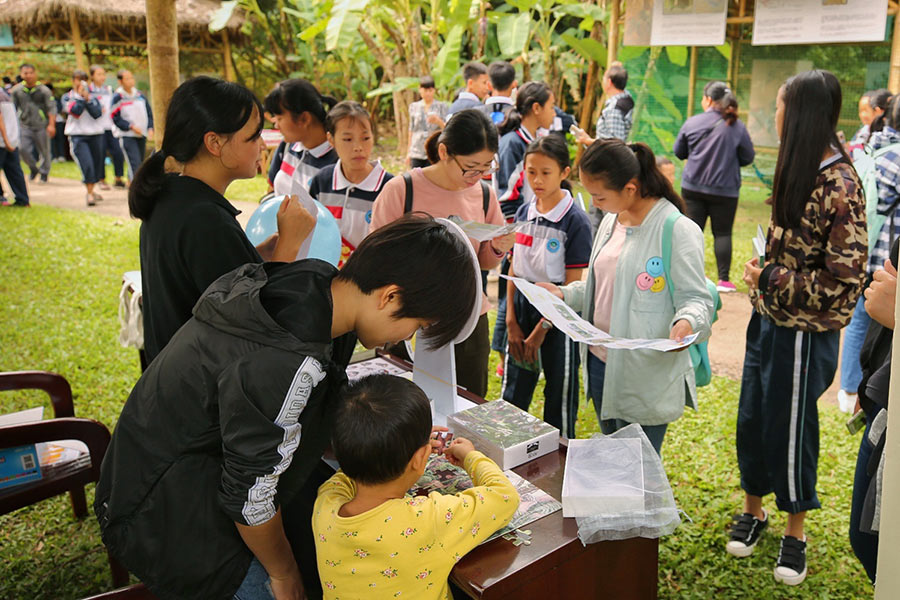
(60, 277)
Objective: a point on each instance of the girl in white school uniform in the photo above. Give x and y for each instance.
(85, 132)
(299, 110)
(348, 188)
(628, 293)
(555, 245)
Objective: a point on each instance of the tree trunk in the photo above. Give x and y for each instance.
(590, 89)
(162, 53)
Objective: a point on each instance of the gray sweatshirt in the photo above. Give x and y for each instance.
(34, 105)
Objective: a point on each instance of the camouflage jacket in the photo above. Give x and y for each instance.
(815, 273)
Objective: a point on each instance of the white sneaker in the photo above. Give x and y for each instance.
(846, 401)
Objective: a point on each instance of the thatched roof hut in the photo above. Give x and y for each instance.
(42, 24)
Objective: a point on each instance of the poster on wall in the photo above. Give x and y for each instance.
(688, 22)
(818, 21)
(638, 20)
(766, 78)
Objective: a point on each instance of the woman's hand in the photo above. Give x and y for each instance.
(752, 271)
(266, 248)
(881, 295)
(552, 288)
(502, 244)
(515, 339)
(583, 138)
(295, 223)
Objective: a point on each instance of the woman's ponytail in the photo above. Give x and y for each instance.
(617, 163)
(431, 147)
(512, 122)
(146, 186)
(198, 106)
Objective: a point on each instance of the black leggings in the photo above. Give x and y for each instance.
(721, 211)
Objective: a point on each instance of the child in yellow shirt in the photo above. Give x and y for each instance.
(374, 541)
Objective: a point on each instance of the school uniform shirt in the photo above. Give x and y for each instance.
(104, 94)
(406, 547)
(224, 427)
(10, 120)
(130, 109)
(350, 203)
(512, 185)
(300, 164)
(467, 204)
(84, 115)
(496, 108)
(464, 101)
(189, 240)
(551, 243)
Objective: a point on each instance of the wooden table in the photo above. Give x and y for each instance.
(556, 564)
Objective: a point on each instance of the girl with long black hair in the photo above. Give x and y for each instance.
(802, 295)
(189, 234)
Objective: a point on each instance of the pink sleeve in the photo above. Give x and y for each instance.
(388, 205)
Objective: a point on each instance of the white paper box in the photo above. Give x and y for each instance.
(507, 435)
(603, 476)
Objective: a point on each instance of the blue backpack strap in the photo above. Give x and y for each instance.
(667, 250)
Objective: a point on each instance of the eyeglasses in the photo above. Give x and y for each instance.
(473, 172)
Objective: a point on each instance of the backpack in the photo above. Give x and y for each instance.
(864, 162)
(408, 202)
(699, 350)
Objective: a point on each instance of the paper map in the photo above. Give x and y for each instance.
(567, 320)
(374, 366)
(441, 476)
(482, 232)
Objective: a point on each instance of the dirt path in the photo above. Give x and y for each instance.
(726, 346)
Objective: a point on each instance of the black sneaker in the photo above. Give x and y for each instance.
(33, 175)
(43, 178)
(120, 184)
(791, 566)
(745, 533)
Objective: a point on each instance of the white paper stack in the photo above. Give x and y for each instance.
(603, 477)
(507, 435)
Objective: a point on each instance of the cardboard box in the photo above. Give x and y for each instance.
(507, 435)
(603, 476)
(19, 465)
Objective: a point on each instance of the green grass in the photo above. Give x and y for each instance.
(59, 282)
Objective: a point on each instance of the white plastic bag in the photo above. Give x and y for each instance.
(619, 481)
(131, 318)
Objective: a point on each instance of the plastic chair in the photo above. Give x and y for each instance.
(69, 477)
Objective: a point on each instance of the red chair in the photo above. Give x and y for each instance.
(70, 477)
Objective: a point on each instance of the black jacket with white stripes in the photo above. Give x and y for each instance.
(224, 426)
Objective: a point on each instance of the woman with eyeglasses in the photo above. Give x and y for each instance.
(460, 155)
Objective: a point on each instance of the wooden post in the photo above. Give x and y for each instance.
(590, 89)
(226, 55)
(80, 62)
(889, 530)
(894, 77)
(692, 82)
(612, 50)
(162, 52)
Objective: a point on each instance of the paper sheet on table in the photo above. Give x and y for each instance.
(567, 320)
(482, 232)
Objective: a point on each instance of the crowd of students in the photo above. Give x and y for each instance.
(211, 463)
(97, 121)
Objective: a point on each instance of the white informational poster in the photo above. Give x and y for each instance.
(818, 21)
(689, 22)
(567, 320)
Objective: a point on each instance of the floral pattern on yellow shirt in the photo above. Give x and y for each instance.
(406, 547)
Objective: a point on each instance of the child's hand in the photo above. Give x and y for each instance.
(515, 339)
(294, 221)
(439, 437)
(458, 451)
(752, 271)
(881, 294)
(533, 343)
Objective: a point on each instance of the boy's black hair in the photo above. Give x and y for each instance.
(27, 66)
(93, 69)
(432, 267)
(80, 75)
(472, 70)
(618, 76)
(426, 81)
(380, 423)
(502, 75)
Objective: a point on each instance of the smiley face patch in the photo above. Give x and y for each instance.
(653, 278)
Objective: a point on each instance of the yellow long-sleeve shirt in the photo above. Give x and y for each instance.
(406, 547)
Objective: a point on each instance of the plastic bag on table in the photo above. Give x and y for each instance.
(638, 501)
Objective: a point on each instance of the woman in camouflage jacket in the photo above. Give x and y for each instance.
(803, 293)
